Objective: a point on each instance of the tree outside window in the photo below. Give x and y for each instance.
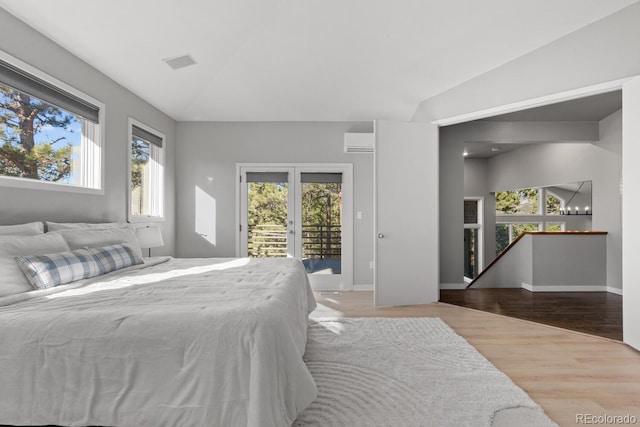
(38, 141)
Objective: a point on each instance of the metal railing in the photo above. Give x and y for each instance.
(318, 241)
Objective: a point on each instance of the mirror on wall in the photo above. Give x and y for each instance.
(561, 199)
(562, 207)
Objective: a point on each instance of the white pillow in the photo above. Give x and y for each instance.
(28, 229)
(96, 238)
(58, 226)
(12, 279)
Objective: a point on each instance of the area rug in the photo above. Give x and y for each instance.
(380, 372)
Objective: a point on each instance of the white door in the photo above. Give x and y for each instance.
(301, 211)
(406, 213)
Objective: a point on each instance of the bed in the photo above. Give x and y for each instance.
(188, 342)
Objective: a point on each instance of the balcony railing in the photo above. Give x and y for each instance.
(318, 241)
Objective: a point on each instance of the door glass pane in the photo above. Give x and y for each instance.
(471, 252)
(470, 211)
(502, 237)
(322, 223)
(267, 217)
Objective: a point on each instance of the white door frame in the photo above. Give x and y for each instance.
(630, 178)
(295, 169)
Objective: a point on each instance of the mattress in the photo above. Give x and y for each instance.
(188, 342)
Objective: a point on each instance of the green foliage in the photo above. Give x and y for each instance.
(267, 203)
(21, 119)
(518, 229)
(321, 204)
(517, 202)
(140, 153)
(267, 216)
(507, 202)
(502, 237)
(553, 204)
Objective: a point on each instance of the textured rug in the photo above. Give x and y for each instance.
(407, 372)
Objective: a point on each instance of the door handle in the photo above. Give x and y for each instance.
(380, 236)
(291, 231)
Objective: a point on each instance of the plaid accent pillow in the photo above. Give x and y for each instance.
(47, 271)
(115, 257)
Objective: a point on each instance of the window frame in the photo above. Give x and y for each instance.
(131, 122)
(94, 167)
(479, 226)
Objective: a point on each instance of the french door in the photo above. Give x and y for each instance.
(301, 211)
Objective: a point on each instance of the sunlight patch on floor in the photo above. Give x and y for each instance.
(322, 312)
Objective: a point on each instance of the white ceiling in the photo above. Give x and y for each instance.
(281, 60)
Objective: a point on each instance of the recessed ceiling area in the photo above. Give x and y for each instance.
(589, 109)
(302, 60)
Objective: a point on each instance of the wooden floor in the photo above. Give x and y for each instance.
(597, 313)
(566, 372)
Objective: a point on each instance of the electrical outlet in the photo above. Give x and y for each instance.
(371, 265)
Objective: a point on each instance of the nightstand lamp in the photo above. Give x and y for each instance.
(149, 237)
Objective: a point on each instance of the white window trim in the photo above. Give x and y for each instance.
(512, 223)
(96, 174)
(157, 171)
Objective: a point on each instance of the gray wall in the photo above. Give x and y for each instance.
(460, 177)
(558, 163)
(209, 152)
(533, 262)
(22, 205)
(451, 207)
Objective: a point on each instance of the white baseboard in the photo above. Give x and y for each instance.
(616, 291)
(566, 288)
(363, 287)
(453, 285)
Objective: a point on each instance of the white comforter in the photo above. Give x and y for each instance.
(185, 342)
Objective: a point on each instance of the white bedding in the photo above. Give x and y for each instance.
(185, 342)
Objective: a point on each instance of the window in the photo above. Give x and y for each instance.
(146, 172)
(473, 237)
(50, 133)
(507, 232)
(525, 201)
(555, 226)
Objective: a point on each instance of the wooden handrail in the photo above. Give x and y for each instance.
(517, 239)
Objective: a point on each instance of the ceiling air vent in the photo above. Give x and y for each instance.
(358, 142)
(180, 61)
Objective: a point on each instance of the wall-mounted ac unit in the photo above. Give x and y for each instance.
(358, 142)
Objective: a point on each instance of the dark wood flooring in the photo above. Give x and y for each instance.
(596, 313)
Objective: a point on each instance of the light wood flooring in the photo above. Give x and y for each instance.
(566, 372)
